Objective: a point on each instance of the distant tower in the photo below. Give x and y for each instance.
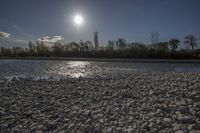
(96, 41)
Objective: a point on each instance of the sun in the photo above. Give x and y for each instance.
(78, 20)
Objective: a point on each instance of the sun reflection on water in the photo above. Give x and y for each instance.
(74, 69)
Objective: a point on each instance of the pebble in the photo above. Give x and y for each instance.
(183, 109)
(194, 93)
(177, 127)
(71, 126)
(2, 112)
(1, 81)
(198, 114)
(101, 120)
(179, 131)
(131, 130)
(127, 102)
(88, 129)
(38, 131)
(166, 122)
(144, 126)
(186, 120)
(191, 127)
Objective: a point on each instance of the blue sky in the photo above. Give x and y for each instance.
(133, 20)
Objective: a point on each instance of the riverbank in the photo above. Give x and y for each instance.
(136, 102)
(183, 61)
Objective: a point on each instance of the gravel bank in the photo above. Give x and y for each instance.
(136, 102)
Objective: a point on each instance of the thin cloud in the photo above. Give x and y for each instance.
(4, 34)
(48, 39)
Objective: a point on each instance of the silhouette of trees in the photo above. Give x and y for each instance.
(121, 44)
(6, 51)
(191, 41)
(163, 46)
(173, 44)
(89, 46)
(32, 49)
(42, 49)
(111, 45)
(114, 49)
(18, 51)
(58, 49)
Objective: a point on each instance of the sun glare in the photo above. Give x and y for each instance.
(78, 20)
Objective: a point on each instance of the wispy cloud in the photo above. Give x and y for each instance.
(50, 39)
(4, 34)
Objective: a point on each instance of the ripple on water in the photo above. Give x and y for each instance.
(43, 69)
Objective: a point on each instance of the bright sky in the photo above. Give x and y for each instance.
(133, 20)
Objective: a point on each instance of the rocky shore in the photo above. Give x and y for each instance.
(120, 103)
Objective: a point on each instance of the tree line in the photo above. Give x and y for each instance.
(115, 49)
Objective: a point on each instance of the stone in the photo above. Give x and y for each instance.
(62, 131)
(183, 109)
(119, 129)
(177, 127)
(197, 114)
(166, 130)
(190, 127)
(166, 122)
(17, 129)
(194, 93)
(71, 126)
(145, 126)
(109, 130)
(88, 129)
(40, 126)
(194, 131)
(88, 113)
(101, 121)
(88, 121)
(158, 121)
(3, 126)
(51, 127)
(186, 120)
(131, 130)
(38, 131)
(35, 107)
(196, 126)
(152, 125)
(151, 92)
(97, 130)
(2, 112)
(179, 131)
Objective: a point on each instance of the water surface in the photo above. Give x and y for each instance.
(39, 69)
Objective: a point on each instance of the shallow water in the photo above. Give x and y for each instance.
(43, 69)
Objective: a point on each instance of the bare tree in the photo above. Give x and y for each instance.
(155, 38)
(191, 40)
